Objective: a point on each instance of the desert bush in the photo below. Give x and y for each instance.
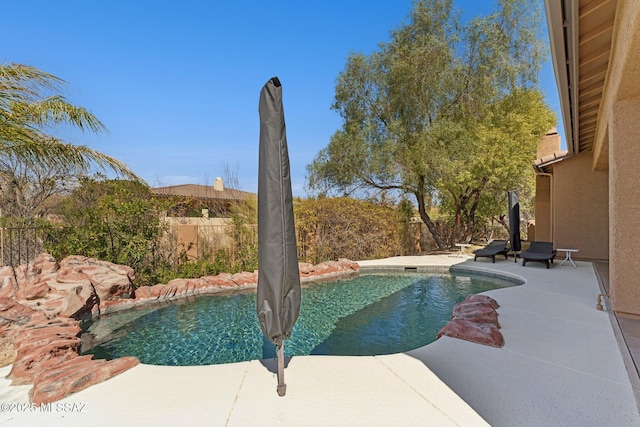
(113, 220)
(331, 228)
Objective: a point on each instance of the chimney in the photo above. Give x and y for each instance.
(549, 144)
(218, 185)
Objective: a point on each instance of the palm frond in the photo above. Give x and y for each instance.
(18, 78)
(55, 110)
(52, 152)
(29, 106)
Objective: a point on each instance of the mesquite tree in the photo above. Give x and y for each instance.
(447, 113)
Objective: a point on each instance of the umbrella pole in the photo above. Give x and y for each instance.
(282, 387)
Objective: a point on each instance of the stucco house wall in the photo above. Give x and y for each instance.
(543, 209)
(595, 49)
(624, 149)
(581, 207)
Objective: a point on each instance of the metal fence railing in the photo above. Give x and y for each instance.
(20, 244)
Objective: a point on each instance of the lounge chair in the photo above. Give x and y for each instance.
(539, 251)
(495, 247)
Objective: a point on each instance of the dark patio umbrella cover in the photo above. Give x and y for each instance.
(278, 295)
(514, 223)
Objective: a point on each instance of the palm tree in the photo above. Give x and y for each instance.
(30, 104)
(34, 164)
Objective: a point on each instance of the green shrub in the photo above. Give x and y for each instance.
(112, 220)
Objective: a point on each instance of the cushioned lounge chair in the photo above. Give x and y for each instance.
(539, 251)
(495, 247)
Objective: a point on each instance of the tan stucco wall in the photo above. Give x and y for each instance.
(624, 193)
(581, 208)
(543, 209)
(188, 241)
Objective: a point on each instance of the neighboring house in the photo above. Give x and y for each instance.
(193, 198)
(589, 197)
(200, 223)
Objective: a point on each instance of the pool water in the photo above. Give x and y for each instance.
(367, 315)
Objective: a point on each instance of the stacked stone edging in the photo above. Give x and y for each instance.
(41, 304)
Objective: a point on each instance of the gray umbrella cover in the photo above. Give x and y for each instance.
(278, 295)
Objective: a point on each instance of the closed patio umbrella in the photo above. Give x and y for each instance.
(514, 223)
(278, 295)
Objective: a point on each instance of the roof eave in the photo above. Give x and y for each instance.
(563, 29)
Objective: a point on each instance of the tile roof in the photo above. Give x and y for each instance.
(202, 192)
(542, 163)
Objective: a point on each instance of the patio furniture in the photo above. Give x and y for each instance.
(463, 247)
(567, 256)
(495, 247)
(540, 252)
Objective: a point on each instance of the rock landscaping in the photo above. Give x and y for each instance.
(475, 319)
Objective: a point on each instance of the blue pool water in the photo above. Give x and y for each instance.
(367, 315)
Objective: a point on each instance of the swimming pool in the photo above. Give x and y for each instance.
(370, 314)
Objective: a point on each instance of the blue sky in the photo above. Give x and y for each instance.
(177, 82)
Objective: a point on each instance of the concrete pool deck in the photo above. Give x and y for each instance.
(561, 365)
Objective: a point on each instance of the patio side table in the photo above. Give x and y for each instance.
(567, 256)
(463, 249)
